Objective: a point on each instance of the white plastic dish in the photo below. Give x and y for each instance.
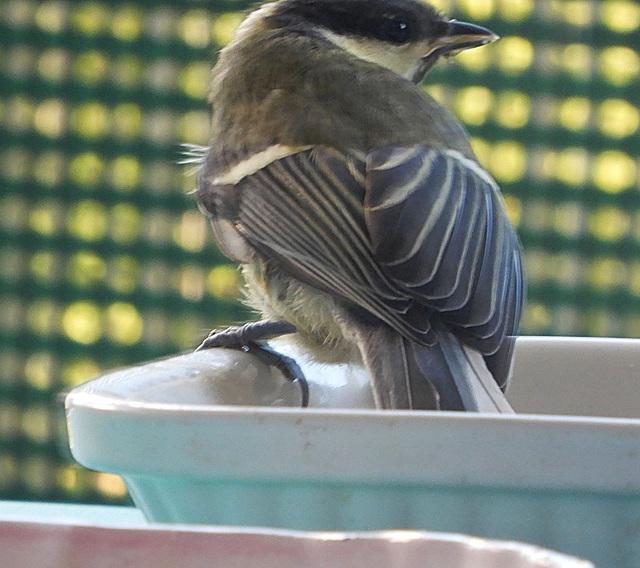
(188, 455)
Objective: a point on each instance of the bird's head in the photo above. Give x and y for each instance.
(405, 36)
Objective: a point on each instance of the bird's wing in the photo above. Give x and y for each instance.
(440, 232)
(305, 210)
(409, 235)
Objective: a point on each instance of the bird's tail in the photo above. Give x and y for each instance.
(447, 376)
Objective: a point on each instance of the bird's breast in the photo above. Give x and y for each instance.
(316, 314)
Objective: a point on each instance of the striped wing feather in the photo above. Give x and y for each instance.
(409, 234)
(440, 231)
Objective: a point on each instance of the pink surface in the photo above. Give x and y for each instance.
(59, 545)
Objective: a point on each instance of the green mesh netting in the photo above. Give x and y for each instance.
(105, 260)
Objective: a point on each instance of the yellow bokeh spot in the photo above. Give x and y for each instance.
(193, 127)
(515, 55)
(224, 26)
(18, 14)
(606, 273)
(442, 5)
(194, 80)
(127, 120)
(193, 28)
(43, 266)
(12, 362)
(482, 150)
(577, 60)
(515, 10)
(12, 270)
(9, 410)
(618, 118)
(473, 104)
(79, 371)
(537, 217)
(609, 224)
(10, 473)
(36, 423)
(476, 60)
(86, 269)
(160, 126)
(110, 485)
(90, 67)
(614, 171)
(157, 327)
(223, 282)
(574, 113)
(82, 322)
(35, 472)
(191, 282)
(514, 209)
(45, 218)
(123, 323)
(634, 278)
(632, 326)
(568, 271)
(191, 231)
(90, 18)
(90, 120)
(16, 164)
(68, 477)
(599, 323)
(124, 223)
(127, 23)
(185, 330)
(578, 12)
(477, 9)
(619, 65)
(52, 16)
(50, 117)
(50, 168)
(125, 173)
(437, 91)
(571, 166)
(127, 71)
(87, 221)
(15, 209)
(123, 274)
(536, 317)
(53, 64)
(157, 227)
(508, 162)
(568, 219)
(19, 114)
(43, 317)
(512, 109)
(621, 16)
(39, 370)
(86, 169)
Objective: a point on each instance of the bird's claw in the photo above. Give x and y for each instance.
(248, 338)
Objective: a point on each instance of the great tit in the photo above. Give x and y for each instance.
(354, 202)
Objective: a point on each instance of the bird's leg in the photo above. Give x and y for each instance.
(250, 338)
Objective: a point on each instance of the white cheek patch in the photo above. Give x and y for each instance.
(401, 59)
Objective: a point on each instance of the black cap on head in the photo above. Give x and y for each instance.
(394, 21)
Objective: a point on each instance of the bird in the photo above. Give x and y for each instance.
(355, 206)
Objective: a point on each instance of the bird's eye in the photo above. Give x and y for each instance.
(394, 30)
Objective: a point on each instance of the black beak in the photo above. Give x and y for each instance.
(460, 36)
(457, 37)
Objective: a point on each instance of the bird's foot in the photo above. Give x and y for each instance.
(250, 338)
